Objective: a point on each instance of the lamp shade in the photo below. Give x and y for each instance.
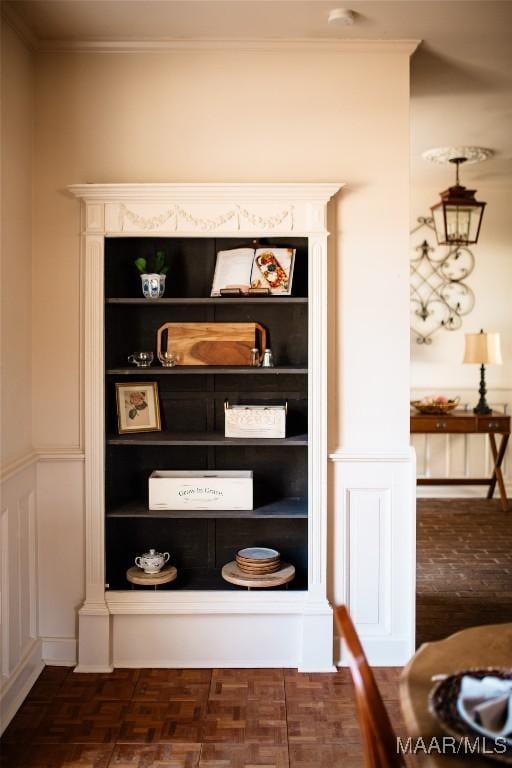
(483, 348)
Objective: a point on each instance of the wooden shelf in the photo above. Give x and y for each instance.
(202, 438)
(288, 508)
(213, 300)
(206, 370)
(199, 579)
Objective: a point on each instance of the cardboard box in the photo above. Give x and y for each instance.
(193, 490)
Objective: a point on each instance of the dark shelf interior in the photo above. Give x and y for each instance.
(195, 404)
(210, 300)
(288, 344)
(206, 370)
(289, 508)
(192, 413)
(277, 473)
(201, 438)
(199, 548)
(191, 262)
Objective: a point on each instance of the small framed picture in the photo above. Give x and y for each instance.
(138, 409)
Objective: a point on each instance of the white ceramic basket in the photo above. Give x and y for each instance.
(255, 421)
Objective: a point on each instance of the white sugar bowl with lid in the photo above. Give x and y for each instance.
(152, 561)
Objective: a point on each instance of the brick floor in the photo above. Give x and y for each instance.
(464, 570)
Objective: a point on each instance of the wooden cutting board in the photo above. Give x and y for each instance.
(211, 343)
(137, 576)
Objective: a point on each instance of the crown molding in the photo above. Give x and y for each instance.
(212, 192)
(16, 23)
(320, 45)
(311, 45)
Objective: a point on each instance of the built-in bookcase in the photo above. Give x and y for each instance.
(199, 620)
(192, 411)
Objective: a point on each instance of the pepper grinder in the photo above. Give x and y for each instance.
(268, 360)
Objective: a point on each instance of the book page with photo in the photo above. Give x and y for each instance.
(244, 269)
(273, 268)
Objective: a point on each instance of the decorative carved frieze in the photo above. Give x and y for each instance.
(175, 215)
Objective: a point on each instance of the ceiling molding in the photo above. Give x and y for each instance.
(202, 44)
(13, 19)
(208, 192)
(313, 45)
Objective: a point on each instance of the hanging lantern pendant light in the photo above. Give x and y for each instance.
(458, 217)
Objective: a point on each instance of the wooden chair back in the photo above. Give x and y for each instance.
(379, 739)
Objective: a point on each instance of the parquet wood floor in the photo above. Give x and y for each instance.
(239, 718)
(163, 718)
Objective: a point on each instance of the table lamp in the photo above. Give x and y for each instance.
(483, 348)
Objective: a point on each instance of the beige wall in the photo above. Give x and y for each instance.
(204, 116)
(439, 364)
(234, 116)
(438, 368)
(17, 84)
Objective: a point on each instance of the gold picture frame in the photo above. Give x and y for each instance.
(138, 407)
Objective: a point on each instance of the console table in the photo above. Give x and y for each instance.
(466, 422)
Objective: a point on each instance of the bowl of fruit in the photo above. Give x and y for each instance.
(435, 404)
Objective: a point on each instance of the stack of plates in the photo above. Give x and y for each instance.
(258, 561)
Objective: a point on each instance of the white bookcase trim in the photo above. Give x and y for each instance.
(203, 210)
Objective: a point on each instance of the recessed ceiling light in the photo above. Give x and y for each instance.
(342, 17)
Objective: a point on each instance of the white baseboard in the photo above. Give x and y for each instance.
(16, 688)
(59, 651)
(458, 491)
(380, 651)
(199, 663)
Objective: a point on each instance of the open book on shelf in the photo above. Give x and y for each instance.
(265, 270)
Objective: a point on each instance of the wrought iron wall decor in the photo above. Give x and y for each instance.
(439, 296)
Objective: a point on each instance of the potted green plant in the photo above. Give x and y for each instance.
(152, 275)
